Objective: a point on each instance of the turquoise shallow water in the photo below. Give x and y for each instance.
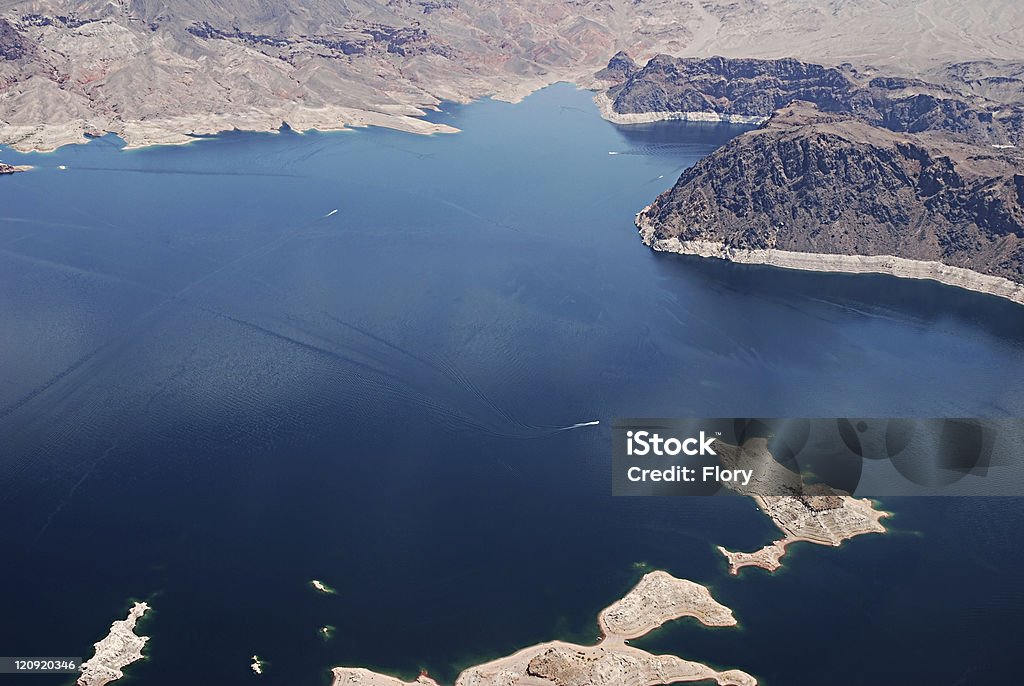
(212, 392)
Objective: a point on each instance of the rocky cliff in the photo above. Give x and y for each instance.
(850, 170)
(752, 89)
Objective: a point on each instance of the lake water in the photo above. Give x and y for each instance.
(213, 390)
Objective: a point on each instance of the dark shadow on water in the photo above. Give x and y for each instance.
(925, 302)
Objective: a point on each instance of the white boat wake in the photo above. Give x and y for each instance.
(580, 425)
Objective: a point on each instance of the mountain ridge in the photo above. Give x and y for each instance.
(159, 71)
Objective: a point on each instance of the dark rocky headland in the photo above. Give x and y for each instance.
(848, 171)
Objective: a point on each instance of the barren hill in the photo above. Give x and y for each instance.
(155, 71)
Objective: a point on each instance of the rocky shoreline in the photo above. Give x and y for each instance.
(847, 171)
(117, 649)
(891, 265)
(657, 598)
(13, 168)
(816, 514)
(607, 109)
(187, 129)
(859, 517)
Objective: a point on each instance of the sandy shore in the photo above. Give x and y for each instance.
(656, 599)
(849, 264)
(605, 106)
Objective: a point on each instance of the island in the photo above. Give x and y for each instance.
(813, 513)
(13, 169)
(119, 648)
(655, 600)
(320, 586)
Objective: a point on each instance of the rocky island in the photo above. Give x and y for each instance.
(119, 648)
(848, 171)
(812, 513)
(321, 587)
(825, 520)
(656, 599)
(12, 169)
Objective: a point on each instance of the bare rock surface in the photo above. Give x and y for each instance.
(659, 598)
(832, 192)
(814, 514)
(117, 649)
(12, 169)
(656, 599)
(164, 71)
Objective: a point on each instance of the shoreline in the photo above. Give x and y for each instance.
(769, 557)
(118, 649)
(656, 599)
(891, 265)
(607, 110)
(182, 130)
(8, 169)
(189, 128)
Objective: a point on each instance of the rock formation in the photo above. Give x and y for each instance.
(164, 71)
(656, 599)
(12, 169)
(848, 171)
(119, 648)
(813, 513)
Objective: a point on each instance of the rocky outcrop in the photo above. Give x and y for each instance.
(659, 598)
(119, 648)
(824, 191)
(12, 169)
(621, 68)
(751, 90)
(814, 513)
(656, 599)
(13, 45)
(743, 87)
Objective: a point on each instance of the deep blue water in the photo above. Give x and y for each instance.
(211, 392)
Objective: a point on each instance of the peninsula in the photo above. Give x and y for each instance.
(825, 520)
(849, 171)
(656, 599)
(815, 514)
(119, 648)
